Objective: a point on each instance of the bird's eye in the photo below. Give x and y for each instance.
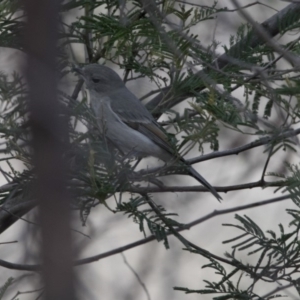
(95, 80)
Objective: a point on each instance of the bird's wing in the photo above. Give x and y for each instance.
(134, 114)
(157, 135)
(128, 107)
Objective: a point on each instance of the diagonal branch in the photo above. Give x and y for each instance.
(266, 38)
(234, 151)
(272, 26)
(199, 188)
(151, 238)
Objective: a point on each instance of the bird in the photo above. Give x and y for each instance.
(126, 122)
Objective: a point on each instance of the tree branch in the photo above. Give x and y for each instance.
(151, 238)
(235, 151)
(197, 188)
(272, 27)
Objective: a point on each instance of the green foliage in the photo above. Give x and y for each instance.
(5, 286)
(293, 183)
(11, 24)
(134, 209)
(13, 116)
(276, 261)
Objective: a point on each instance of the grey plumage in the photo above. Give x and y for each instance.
(125, 120)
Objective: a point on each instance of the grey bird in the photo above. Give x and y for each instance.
(126, 122)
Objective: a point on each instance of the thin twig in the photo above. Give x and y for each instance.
(136, 276)
(37, 267)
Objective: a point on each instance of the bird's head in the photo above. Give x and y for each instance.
(100, 78)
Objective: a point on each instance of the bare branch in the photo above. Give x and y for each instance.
(235, 151)
(197, 188)
(151, 238)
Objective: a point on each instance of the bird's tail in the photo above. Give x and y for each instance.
(201, 180)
